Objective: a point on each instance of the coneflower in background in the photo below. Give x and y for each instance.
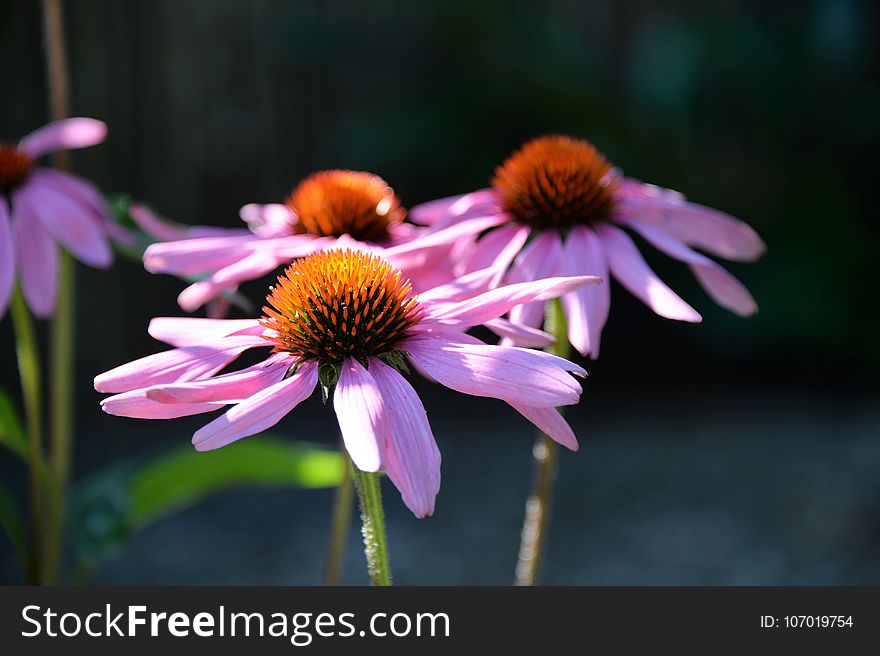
(563, 207)
(41, 207)
(571, 204)
(327, 209)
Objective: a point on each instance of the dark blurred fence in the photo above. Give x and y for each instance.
(766, 110)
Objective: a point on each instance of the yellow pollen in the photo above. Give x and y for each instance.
(336, 304)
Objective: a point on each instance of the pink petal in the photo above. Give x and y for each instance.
(404, 254)
(260, 412)
(550, 422)
(511, 374)
(555, 360)
(68, 221)
(633, 272)
(87, 194)
(727, 291)
(7, 258)
(189, 257)
(190, 331)
(62, 135)
(540, 259)
(498, 248)
(400, 233)
(363, 417)
(586, 309)
(519, 334)
(197, 294)
(695, 225)
(156, 226)
(412, 459)
(136, 405)
(251, 267)
(431, 273)
(83, 191)
(461, 205)
(177, 365)
(272, 220)
(37, 260)
(292, 247)
(492, 304)
(233, 387)
(462, 287)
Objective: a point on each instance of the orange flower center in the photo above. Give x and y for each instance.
(15, 167)
(336, 203)
(336, 304)
(556, 182)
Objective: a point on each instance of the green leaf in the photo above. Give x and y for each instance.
(12, 525)
(11, 431)
(184, 477)
(114, 503)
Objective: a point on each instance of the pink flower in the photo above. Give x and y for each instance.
(327, 209)
(562, 208)
(42, 207)
(347, 321)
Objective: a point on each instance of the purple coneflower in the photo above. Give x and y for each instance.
(347, 321)
(327, 209)
(570, 204)
(42, 207)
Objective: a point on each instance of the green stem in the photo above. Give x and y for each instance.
(58, 78)
(373, 521)
(545, 454)
(62, 413)
(339, 525)
(31, 386)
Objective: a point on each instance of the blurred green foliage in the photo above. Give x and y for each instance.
(185, 476)
(11, 431)
(768, 111)
(10, 522)
(111, 504)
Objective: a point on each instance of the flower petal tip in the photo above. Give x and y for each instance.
(111, 408)
(152, 262)
(200, 441)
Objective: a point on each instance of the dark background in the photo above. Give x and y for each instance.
(732, 452)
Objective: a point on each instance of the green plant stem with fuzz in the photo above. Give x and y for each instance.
(62, 329)
(339, 524)
(373, 526)
(31, 388)
(545, 454)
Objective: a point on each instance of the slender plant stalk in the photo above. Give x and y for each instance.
(62, 329)
(57, 71)
(339, 525)
(373, 521)
(31, 388)
(545, 454)
(62, 417)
